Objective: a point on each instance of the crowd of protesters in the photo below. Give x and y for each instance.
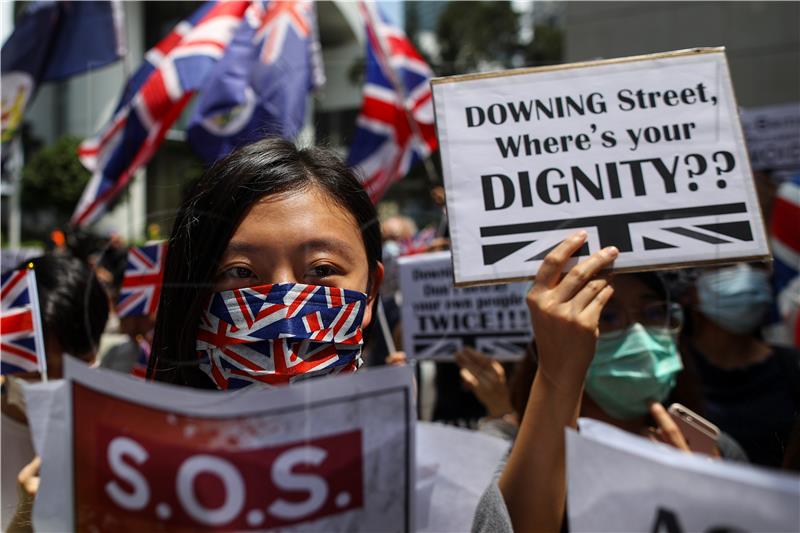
(298, 217)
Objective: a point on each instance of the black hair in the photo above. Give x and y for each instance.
(73, 303)
(211, 212)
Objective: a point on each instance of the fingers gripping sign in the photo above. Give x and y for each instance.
(565, 310)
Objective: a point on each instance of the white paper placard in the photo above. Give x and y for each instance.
(644, 153)
(773, 136)
(439, 319)
(618, 481)
(333, 454)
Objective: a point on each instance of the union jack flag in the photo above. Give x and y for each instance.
(280, 333)
(153, 99)
(395, 127)
(21, 342)
(141, 284)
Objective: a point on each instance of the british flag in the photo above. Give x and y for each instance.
(280, 333)
(141, 284)
(21, 342)
(395, 127)
(153, 99)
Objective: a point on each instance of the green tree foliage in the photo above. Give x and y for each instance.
(54, 178)
(477, 35)
(547, 46)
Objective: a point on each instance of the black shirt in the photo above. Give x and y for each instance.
(757, 404)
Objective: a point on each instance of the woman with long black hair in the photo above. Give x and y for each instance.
(277, 224)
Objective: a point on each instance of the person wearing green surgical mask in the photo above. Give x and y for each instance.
(605, 347)
(637, 367)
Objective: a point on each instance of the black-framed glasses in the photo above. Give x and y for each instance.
(616, 319)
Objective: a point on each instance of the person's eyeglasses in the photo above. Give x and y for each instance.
(615, 319)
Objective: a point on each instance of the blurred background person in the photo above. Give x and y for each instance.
(74, 310)
(751, 388)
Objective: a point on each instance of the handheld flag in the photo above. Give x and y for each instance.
(141, 284)
(395, 127)
(153, 99)
(260, 86)
(21, 340)
(53, 41)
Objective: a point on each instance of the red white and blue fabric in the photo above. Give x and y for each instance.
(260, 87)
(419, 243)
(141, 284)
(784, 229)
(280, 333)
(396, 92)
(152, 100)
(21, 342)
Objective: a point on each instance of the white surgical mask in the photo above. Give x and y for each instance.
(735, 298)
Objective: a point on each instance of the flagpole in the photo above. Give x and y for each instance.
(36, 311)
(430, 169)
(15, 163)
(385, 329)
(120, 21)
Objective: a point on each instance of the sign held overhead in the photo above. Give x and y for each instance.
(644, 153)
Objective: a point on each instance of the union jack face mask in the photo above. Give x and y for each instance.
(280, 333)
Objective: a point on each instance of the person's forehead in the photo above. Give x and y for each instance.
(304, 217)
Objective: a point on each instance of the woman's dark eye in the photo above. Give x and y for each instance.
(322, 271)
(239, 273)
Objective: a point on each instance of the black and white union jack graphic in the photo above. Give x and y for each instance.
(639, 231)
(501, 345)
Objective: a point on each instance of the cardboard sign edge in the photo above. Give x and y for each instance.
(579, 64)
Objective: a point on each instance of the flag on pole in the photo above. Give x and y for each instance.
(141, 283)
(53, 41)
(261, 85)
(395, 127)
(21, 340)
(152, 100)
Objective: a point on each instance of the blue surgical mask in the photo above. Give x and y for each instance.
(735, 298)
(631, 369)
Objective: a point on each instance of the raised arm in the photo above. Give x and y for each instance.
(565, 313)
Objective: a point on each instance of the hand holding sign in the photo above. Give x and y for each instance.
(568, 308)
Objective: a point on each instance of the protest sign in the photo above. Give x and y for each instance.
(438, 319)
(773, 136)
(644, 153)
(617, 481)
(332, 454)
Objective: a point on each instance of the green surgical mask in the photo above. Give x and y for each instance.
(631, 369)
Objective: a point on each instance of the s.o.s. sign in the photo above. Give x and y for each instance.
(140, 468)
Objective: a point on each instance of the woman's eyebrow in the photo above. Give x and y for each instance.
(243, 247)
(339, 246)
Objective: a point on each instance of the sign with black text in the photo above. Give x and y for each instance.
(331, 454)
(644, 153)
(439, 320)
(618, 481)
(773, 136)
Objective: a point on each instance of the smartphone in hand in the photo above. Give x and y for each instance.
(700, 434)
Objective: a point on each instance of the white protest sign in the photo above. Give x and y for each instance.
(644, 153)
(617, 481)
(333, 454)
(773, 136)
(438, 319)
